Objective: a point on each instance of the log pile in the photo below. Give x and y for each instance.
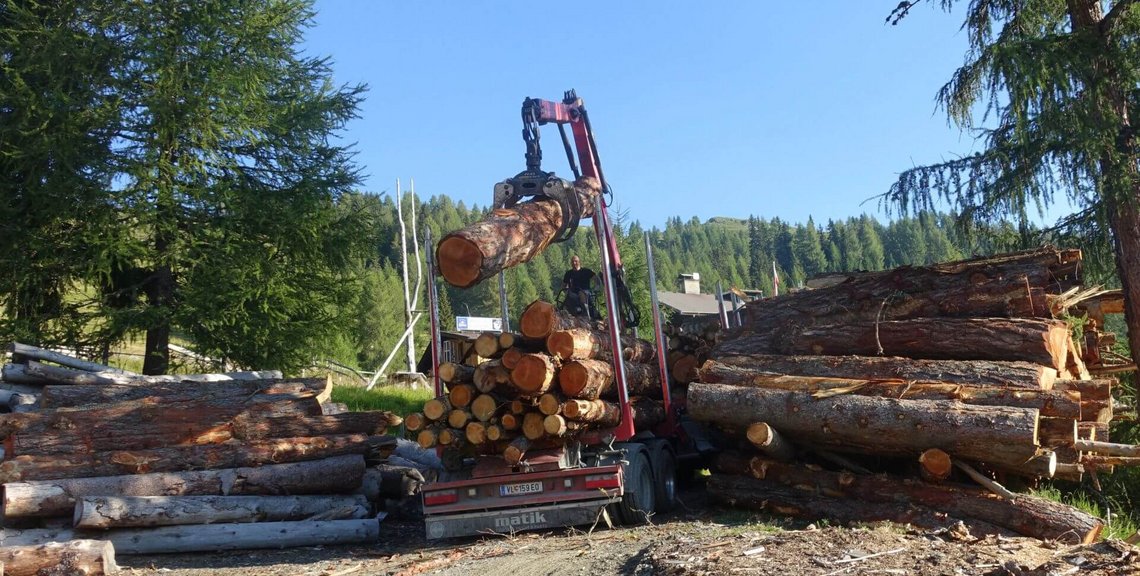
(885, 395)
(526, 393)
(183, 463)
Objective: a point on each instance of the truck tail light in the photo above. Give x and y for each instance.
(441, 497)
(603, 481)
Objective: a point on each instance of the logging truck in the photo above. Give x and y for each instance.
(618, 472)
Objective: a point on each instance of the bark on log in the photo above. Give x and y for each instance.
(1030, 340)
(871, 425)
(142, 424)
(218, 537)
(515, 451)
(57, 396)
(593, 379)
(534, 374)
(583, 343)
(180, 458)
(74, 557)
(744, 492)
(1107, 448)
(1055, 403)
(541, 318)
(1043, 465)
(253, 427)
(603, 414)
(44, 373)
(506, 237)
(491, 376)
(104, 512)
(1027, 515)
(1099, 389)
(975, 372)
(1008, 285)
(57, 497)
(453, 373)
(767, 440)
(1056, 432)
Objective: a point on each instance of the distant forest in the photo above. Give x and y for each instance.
(734, 251)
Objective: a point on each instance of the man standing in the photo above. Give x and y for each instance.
(578, 283)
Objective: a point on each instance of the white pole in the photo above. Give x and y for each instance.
(396, 348)
(404, 268)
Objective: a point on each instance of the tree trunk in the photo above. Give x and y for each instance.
(103, 512)
(976, 372)
(179, 458)
(141, 424)
(57, 497)
(74, 557)
(1042, 341)
(592, 379)
(872, 425)
(452, 373)
(57, 396)
(582, 343)
(541, 318)
(253, 427)
(603, 414)
(1028, 515)
(1057, 403)
(506, 237)
(534, 374)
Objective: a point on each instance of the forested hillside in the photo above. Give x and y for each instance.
(736, 250)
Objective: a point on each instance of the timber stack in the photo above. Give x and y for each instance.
(880, 397)
(98, 460)
(519, 394)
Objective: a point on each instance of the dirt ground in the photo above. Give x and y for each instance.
(693, 541)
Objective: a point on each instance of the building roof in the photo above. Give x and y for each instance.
(689, 303)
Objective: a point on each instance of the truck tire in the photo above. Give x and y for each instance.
(664, 466)
(637, 505)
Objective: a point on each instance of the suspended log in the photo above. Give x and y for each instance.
(57, 497)
(56, 396)
(540, 318)
(583, 343)
(1012, 285)
(1056, 403)
(142, 424)
(507, 237)
(453, 373)
(935, 465)
(487, 345)
(103, 512)
(178, 458)
(484, 407)
(975, 372)
(1030, 340)
(1028, 515)
(872, 425)
(592, 379)
(534, 374)
(255, 427)
(437, 408)
(767, 440)
(74, 557)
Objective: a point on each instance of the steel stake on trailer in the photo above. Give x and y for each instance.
(722, 313)
(659, 335)
(433, 315)
(625, 429)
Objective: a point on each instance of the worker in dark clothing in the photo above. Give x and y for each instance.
(578, 284)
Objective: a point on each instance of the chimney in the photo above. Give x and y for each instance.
(690, 283)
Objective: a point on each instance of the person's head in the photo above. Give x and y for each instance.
(575, 262)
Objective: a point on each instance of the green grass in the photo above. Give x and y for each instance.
(402, 401)
(1120, 525)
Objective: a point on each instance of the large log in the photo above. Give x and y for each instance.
(581, 343)
(142, 424)
(104, 512)
(252, 427)
(1002, 286)
(603, 414)
(1027, 515)
(874, 425)
(58, 497)
(591, 379)
(47, 374)
(58, 396)
(1057, 403)
(74, 557)
(231, 454)
(534, 374)
(507, 237)
(540, 318)
(1032, 340)
(976, 372)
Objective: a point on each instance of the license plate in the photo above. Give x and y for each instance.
(520, 489)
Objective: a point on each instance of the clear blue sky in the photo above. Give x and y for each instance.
(774, 109)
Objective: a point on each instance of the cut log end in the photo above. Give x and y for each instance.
(460, 261)
(935, 465)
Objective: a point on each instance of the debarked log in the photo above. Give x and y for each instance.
(105, 512)
(74, 557)
(874, 425)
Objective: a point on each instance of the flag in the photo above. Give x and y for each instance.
(775, 280)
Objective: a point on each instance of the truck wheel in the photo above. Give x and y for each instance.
(637, 505)
(664, 465)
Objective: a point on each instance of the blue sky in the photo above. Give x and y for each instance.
(774, 109)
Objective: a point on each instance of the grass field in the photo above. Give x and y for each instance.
(402, 401)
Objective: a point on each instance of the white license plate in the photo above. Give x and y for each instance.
(520, 489)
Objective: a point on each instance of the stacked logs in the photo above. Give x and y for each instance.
(180, 464)
(952, 372)
(539, 389)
